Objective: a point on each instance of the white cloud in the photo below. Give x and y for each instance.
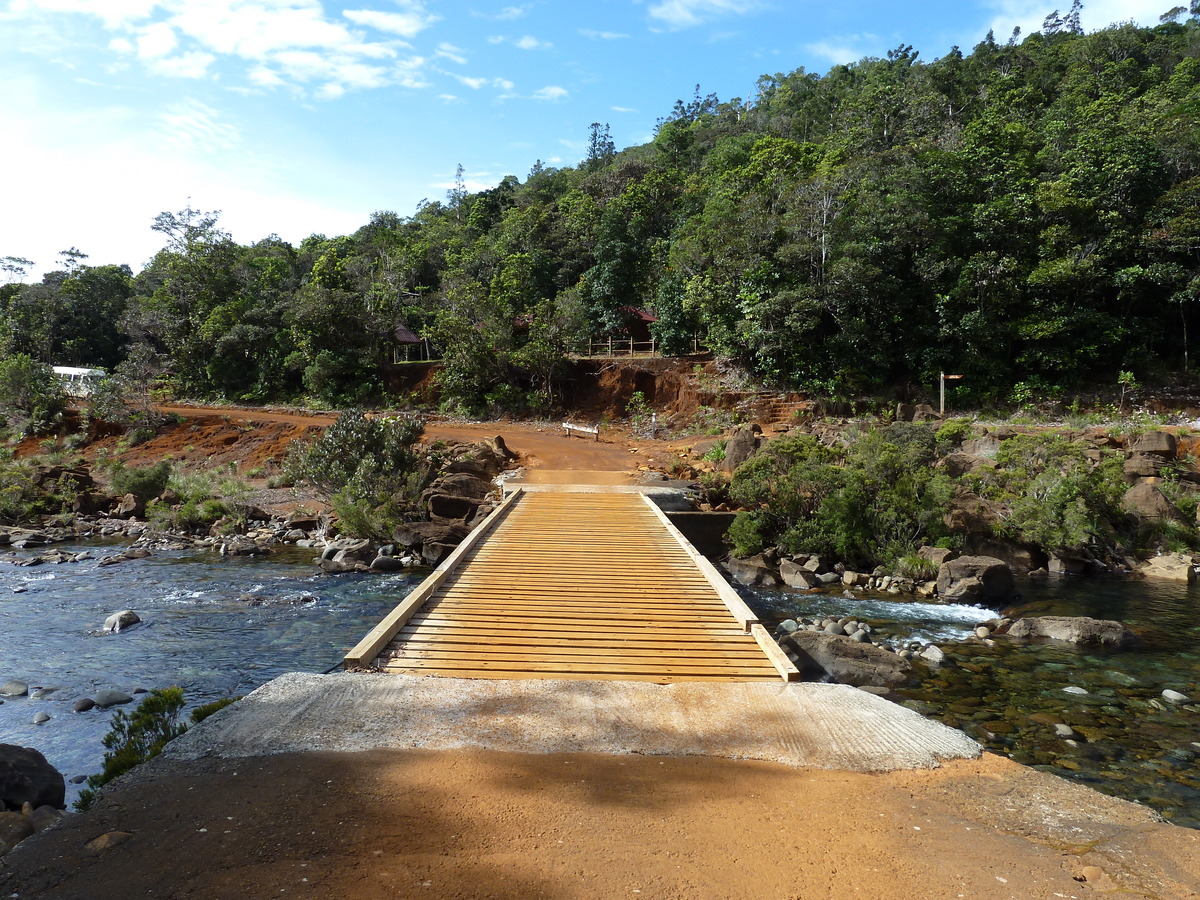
(452, 53)
(602, 35)
(550, 92)
(195, 126)
(686, 13)
(503, 83)
(193, 64)
(473, 83)
(622, 109)
(529, 42)
(120, 45)
(406, 24)
(843, 49)
(156, 40)
(114, 13)
(507, 14)
(496, 39)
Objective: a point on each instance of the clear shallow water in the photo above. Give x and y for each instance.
(195, 633)
(1008, 694)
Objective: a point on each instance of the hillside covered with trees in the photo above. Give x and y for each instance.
(1027, 214)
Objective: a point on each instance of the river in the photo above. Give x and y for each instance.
(200, 633)
(1128, 740)
(196, 633)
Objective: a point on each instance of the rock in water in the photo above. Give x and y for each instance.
(106, 698)
(119, 621)
(14, 688)
(1082, 630)
(83, 704)
(975, 579)
(1174, 696)
(822, 656)
(26, 777)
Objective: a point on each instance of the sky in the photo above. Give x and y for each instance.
(299, 117)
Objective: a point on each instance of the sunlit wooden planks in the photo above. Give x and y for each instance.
(580, 586)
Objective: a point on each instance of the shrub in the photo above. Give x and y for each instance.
(136, 737)
(144, 482)
(31, 397)
(368, 467)
(200, 713)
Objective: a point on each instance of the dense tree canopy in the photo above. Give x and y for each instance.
(1026, 213)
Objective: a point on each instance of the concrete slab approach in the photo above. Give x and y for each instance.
(822, 725)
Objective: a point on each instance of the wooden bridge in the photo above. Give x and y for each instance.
(561, 584)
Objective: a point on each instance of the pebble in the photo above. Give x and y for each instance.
(982, 632)
(42, 693)
(83, 704)
(1174, 696)
(1064, 731)
(40, 718)
(78, 779)
(1072, 689)
(791, 626)
(933, 653)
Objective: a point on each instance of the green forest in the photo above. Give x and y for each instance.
(1026, 214)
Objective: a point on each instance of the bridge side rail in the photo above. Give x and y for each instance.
(736, 606)
(366, 650)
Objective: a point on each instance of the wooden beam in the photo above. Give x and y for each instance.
(364, 653)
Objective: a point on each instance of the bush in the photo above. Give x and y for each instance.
(136, 737)
(1057, 498)
(368, 467)
(874, 505)
(200, 713)
(32, 400)
(144, 482)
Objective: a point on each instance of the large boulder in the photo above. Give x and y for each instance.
(832, 657)
(960, 463)
(417, 534)
(797, 576)
(753, 571)
(1172, 567)
(119, 621)
(1148, 503)
(130, 507)
(971, 514)
(1082, 630)
(1157, 443)
(975, 579)
(742, 445)
(26, 777)
(1020, 557)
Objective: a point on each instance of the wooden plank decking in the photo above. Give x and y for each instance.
(580, 586)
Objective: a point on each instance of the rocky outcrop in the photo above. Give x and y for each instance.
(26, 777)
(753, 571)
(1147, 453)
(832, 657)
(971, 514)
(1171, 567)
(742, 445)
(1149, 504)
(1082, 630)
(975, 579)
(1020, 557)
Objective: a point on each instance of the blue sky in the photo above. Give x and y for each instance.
(297, 117)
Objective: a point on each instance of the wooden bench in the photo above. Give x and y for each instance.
(582, 429)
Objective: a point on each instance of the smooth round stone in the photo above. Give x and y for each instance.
(1064, 731)
(1073, 689)
(1174, 696)
(790, 626)
(835, 628)
(108, 697)
(14, 688)
(40, 718)
(860, 636)
(42, 693)
(83, 704)
(982, 632)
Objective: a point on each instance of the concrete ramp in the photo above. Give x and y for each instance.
(821, 725)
